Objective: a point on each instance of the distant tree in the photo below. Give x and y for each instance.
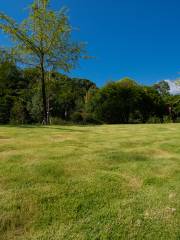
(43, 40)
(151, 104)
(67, 94)
(5, 107)
(18, 112)
(114, 103)
(162, 87)
(127, 82)
(11, 87)
(61, 96)
(173, 104)
(126, 101)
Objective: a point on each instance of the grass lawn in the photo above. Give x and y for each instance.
(87, 183)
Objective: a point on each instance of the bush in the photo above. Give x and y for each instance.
(154, 119)
(89, 118)
(18, 115)
(167, 119)
(84, 118)
(77, 117)
(57, 121)
(177, 120)
(5, 108)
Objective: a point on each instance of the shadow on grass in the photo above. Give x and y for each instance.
(118, 157)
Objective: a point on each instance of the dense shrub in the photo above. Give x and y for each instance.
(57, 121)
(18, 113)
(154, 119)
(124, 102)
(89, 118)
(77, 117)
(84, 118)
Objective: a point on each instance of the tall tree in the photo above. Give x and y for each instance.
(43, 40)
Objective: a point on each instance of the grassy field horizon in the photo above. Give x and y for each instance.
(90, 182)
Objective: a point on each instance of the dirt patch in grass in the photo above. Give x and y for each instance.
(133, 182)
(61, 138)
(164, 213)
(4, 138)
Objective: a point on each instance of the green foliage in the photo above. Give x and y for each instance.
(90, 118)
(84, 118)
(127, 82)
(67, 95)
(125, 101)
(162, 87)
(12, 85)
(79, 100)
(21, 90)
(18, 113)
(6, 56)
(151, 104)
(77, 117)
(34, 106)
(5, 106)
(173, 103)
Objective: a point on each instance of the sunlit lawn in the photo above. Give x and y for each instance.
(96, 182)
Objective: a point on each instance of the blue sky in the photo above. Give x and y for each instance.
(135, 38)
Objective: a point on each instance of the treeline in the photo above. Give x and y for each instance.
(80, 101)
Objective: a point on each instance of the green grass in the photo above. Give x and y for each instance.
(87, 183)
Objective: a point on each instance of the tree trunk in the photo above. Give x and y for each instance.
(45, 110)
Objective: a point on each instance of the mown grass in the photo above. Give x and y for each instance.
(87, 183)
